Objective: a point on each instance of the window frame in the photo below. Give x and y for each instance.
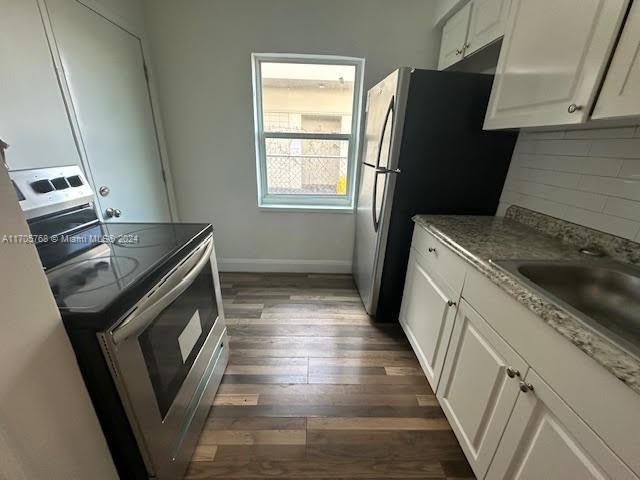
(298, 202)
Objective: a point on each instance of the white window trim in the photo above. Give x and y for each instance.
(307, 202)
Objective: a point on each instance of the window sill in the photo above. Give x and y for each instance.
(307, 209)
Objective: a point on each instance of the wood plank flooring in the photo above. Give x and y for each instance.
(315, 390)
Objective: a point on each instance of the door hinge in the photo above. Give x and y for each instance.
(146, 72)
(164, 175)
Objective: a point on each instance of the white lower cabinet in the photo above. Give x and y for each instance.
(479, 386)
(524, 402)
(427, 315)
(545, 439)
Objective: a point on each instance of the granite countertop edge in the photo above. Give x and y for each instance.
(620, 363)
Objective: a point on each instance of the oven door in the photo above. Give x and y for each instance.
(167, 357)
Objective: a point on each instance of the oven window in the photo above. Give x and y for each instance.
(171, 343)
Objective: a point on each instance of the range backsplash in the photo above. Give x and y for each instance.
(589, 177)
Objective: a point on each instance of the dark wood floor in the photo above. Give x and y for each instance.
(315, 390)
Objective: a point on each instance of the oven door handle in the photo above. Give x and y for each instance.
(139, 319)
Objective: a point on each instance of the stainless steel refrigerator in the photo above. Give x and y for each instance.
(424, 152)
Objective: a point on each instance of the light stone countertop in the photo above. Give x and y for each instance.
(526, 235)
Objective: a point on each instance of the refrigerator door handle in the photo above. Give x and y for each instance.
(390, 110)
(381, 170)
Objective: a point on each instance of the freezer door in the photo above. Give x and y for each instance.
(375, 177)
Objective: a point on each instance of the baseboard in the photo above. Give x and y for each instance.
(286, 266)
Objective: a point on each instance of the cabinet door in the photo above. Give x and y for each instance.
(552, 61)
(33, 118)
(454, 36)
(476, 391)
(426, 315)
(105, 71)
(488, 20)
(620, 94)
(546, 439)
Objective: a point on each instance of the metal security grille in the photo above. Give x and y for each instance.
(307, 174)
(306, 130)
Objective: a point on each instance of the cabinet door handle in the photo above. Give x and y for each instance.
(573, 108)
(513, 373)
(458, 51)
(431, 250)
(526, 387)
(451, 303)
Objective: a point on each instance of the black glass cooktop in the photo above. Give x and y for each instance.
(102, 263)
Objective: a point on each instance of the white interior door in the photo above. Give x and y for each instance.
(104, 68)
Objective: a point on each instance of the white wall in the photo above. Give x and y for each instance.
(48, 428)
(201, 51)
(589, 177)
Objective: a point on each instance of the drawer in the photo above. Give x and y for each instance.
(440, 258)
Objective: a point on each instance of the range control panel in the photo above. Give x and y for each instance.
(45, 190)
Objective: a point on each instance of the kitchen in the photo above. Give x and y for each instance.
(364, 255)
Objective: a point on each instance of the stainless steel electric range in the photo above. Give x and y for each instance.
(142, 306)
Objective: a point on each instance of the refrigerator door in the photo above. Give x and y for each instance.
(385, 107)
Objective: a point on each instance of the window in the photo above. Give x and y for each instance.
(307, 116)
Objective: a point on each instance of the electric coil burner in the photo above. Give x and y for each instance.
(142, 306)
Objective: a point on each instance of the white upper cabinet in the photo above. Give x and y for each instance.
(454, 36)
(488, 20)
(620, 94)
(545, 439)
(552, 60)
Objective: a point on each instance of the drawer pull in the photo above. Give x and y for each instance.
(526, 387)
(431, 250)
(451, 303)
(512, 372)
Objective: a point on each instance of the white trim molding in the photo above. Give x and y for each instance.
(269, 265)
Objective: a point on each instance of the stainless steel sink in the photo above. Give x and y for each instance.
(603, 294)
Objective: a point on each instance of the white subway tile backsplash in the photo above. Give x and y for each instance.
(566, 163)
(559, 179)
(545, 135)
(542, 205)
(621, 148)
(630, 169)
(623, 208)
(502, 209)
(602, 166)
(525, 146)
(622, 132)
(563, 147)
(614, 187)
(590, 201)
(606, 223)
(589, 176)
